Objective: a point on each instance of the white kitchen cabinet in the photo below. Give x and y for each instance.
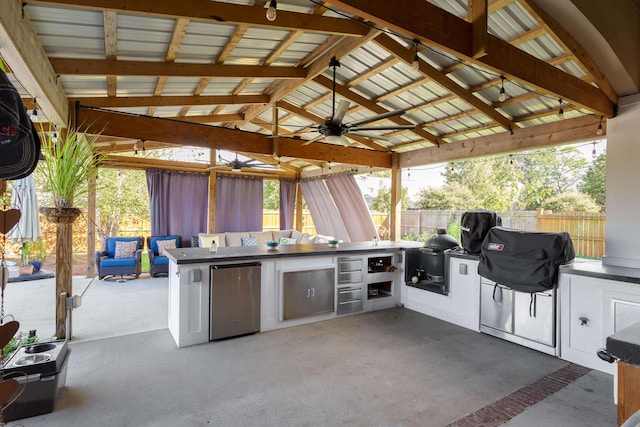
(461, 306)
(591, 309)
(189, 304)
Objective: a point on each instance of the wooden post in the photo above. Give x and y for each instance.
(299, 213)
(396, 198)
(63, 218)
(211, 228)
(628, 391)
(91, 226)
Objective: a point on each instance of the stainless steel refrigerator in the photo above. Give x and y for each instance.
(235, 300)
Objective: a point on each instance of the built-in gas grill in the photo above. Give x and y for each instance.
(519, 271)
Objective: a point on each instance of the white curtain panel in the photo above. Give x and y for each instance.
(324, 212)
(352, 207)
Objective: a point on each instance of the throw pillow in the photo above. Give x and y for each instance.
(287, 241)
(125, 249)
(249, 241)
(165, 244)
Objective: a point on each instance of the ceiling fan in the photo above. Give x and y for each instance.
(236, 164)
(334, 130)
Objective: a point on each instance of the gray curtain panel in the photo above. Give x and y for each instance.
(352, 207)
(178, 203)
(287, 203)
(239, 203)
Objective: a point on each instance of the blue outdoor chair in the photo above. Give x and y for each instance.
(109, 266)
(159, 264)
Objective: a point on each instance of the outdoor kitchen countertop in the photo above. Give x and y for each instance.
(245, 253)
(625, 344)
(601, 271)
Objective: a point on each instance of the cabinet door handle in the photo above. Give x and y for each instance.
(308, 292)
(583, 321)
(313, 292)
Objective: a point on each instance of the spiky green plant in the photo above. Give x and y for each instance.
(68, 164)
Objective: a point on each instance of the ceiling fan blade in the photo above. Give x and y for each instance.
(369, 135)
(390, 127)
(317, 138)
(342, 109)
(377, 117)
(344, 141)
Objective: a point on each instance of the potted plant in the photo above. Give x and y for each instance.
(68, 165)
(35, 253)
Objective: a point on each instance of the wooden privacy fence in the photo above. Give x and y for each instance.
(587, 229)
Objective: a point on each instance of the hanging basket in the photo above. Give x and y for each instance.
(60, 215)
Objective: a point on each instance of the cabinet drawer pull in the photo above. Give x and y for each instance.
(583, 321)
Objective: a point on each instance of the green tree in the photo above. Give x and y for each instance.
(121, 194)
(548, 172)
(570, 201)
(594, 181)
(450, 197)
(494, 181)
(381, 201)
(271, 194)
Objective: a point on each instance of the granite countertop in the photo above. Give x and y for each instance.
(625, 344)
(601, 271)
(252, 253)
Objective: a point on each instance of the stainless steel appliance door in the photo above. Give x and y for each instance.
(235, 300)
(306, 293)
(535, 316)
(496, 306)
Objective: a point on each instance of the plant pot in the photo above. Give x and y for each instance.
(60, 215)
(26, 270)
(37, 265)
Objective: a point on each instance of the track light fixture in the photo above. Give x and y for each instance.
(135, 148)
(561, 110)
(272, 10)
(415, 64)
(503, 95)
(34, 113)
(599, 132)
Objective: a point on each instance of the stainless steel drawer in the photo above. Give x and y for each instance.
(348, 294)
(349, 306)
(350, 277)
(349, 264)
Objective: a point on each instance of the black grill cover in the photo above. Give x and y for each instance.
(474, 227)
(524, 260)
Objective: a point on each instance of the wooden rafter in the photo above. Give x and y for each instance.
(170, 69)
(569, 44)
(437, 76)
(169, 101)
(110, 20)
(192, 134)
(321, 63)
(373, 70)
(22, 52)
(207, 11)
(177, 36)
(528, 138)
(437, 27)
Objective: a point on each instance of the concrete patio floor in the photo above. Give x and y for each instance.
(108, 309)
(388, 368)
